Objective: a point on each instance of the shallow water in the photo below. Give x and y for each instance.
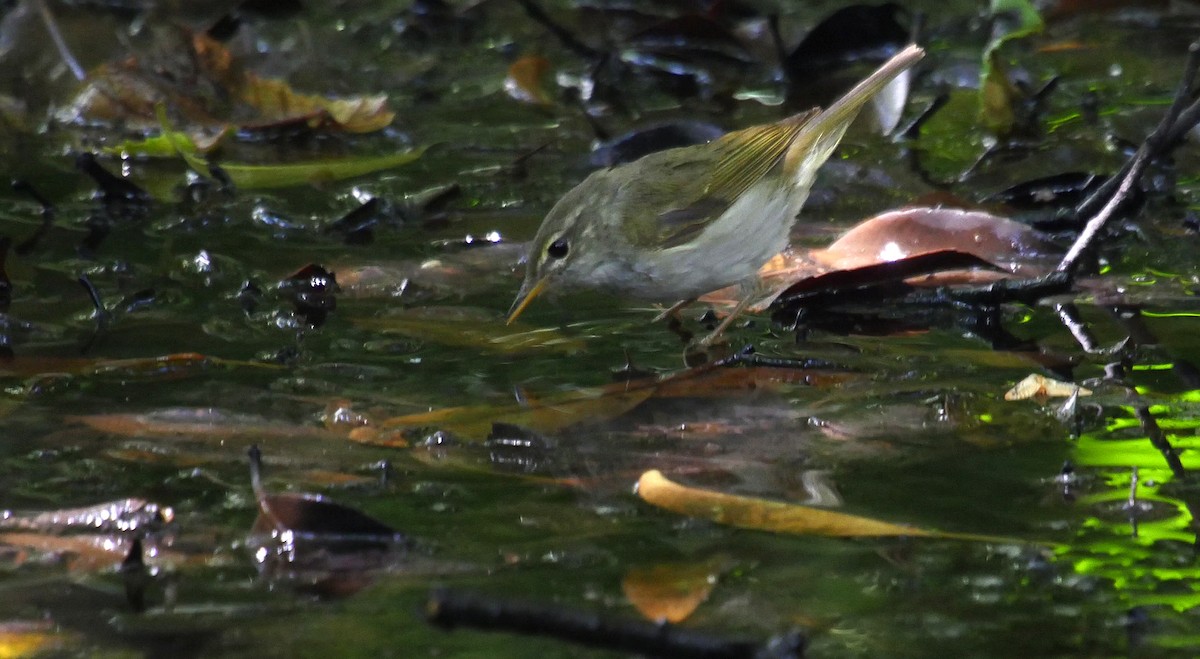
(901, 418)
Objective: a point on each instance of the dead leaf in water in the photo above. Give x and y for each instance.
(318, 544)
(30, 638)
(526, 80)
(670, 592)
(553, 413)
(172, 365)
(200, 423)
(120, 515)
(910, 232)
(204, 85)
(471, 328)
(775, 516)
(1041, 388)
(546, 415)
(94, 552)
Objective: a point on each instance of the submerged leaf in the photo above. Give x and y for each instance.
(115, 516)
(459, 327)
(670, 592)
(526, 80)
(203, 423)
(168, 145)
(205, 85)
(547, 415)
(258, 177)
(329, 547)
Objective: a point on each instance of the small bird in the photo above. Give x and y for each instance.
(680, 223)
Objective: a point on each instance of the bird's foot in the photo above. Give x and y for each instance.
(673, 310)
(710, 348)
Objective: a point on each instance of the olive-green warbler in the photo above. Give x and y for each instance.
(680, 223)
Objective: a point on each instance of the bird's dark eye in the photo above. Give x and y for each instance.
(558, 249)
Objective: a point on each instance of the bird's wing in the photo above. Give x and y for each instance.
(696, 185)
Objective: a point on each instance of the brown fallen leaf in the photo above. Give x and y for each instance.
(922, 230)
(200, 423)
(277, 102)
(204, 85)
(670, 592)
(547, 415)
(319, 545)
(1041, 388)
(93, 552)
(526, 80)
(937, 246)
(775, 516)
(554, 413)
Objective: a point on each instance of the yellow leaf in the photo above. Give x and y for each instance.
(276, 102)
(670, 591)
(775, 516)
(27, 639)
(1040, 387)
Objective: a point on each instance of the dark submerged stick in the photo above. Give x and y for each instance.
(31, 242)
(448, 609)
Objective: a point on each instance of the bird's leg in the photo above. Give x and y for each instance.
(673, 310)
(725, 323)
(750, 290)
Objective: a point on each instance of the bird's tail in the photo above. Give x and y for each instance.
(822, 133)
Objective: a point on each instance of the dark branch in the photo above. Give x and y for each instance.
(450, 609)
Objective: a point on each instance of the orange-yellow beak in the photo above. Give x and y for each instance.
(524, 297)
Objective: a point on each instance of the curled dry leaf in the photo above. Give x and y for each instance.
(922, 230)
(277, 102)
(775, 516)
(1040, 387)
(930, 246)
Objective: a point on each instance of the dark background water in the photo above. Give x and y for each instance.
(913, 430)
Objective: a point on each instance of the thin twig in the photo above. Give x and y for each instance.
(1087, 237)
(564, 35)
(61, 44)
(1163, 134)
(1159, 439)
